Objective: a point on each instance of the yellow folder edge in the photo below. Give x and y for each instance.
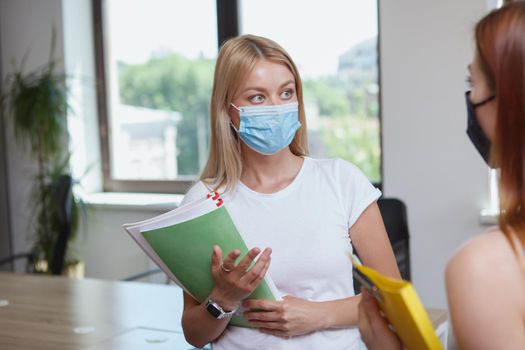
(402, 307)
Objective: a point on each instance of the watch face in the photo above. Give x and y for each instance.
(213, 310)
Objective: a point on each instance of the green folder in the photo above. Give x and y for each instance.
(184, 248)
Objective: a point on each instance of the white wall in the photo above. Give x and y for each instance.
(428, 160)
(26, 27)
(109, 252)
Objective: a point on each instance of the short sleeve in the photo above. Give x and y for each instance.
(197, 191)
(359, 191)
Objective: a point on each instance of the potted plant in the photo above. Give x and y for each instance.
(37, 102)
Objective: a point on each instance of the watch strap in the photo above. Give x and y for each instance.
(217, 311)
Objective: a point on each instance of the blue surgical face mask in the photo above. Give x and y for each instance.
(268, 129)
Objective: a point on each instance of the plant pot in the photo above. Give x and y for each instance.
(72, 270)
(75, 270)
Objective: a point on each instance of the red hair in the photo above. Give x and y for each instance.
(500, 41)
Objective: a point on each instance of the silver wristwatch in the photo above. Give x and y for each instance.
(217, 311)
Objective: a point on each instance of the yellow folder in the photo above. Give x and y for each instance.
(401, 305)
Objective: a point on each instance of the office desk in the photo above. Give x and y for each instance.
(47, 312)
(55, 313)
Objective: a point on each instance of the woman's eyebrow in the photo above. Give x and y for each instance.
(256, 88)
(288, 82)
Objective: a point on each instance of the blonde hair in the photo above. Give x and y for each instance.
(236, 60)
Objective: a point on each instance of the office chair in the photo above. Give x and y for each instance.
(29, 257)
(394, 213)
(64, 202)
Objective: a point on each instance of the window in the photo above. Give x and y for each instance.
(155, 62)
(334, 44)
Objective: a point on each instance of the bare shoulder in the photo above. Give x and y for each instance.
(486, 294)
(485, 254)
(485, 262)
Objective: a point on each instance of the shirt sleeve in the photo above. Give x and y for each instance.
(359, 191)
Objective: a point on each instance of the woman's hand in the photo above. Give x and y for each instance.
(373, 327)
(234, 283)
(290, 317)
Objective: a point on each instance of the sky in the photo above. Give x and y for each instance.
(315, 33)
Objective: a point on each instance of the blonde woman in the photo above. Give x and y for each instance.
(307, 214)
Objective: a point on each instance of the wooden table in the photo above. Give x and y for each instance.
(47, 312)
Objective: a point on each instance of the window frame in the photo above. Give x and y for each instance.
(227, 27)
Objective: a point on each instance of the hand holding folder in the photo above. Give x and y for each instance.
(181, 242)
(401, 306)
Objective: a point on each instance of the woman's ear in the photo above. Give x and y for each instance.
(233, 113)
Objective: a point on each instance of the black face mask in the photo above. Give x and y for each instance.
(474, 131)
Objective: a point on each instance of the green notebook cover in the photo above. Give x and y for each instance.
(186, 249)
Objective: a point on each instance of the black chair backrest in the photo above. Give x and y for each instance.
(30, 259)
(394, 213)
(64, 200)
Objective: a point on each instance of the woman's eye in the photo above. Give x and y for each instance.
(256, 99)
(287, 94)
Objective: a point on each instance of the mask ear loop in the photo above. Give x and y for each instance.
(231, 123)
(236, 134)
(234, 106)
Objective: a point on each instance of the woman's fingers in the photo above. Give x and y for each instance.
(370, 309)
(262, 305)
(259, 276)
(240, 279)
(362, 314)
(216, 258)
(257, 272)
(373, 327)
(247, 260)
(234, 283)
(261, 316)
(229, 263)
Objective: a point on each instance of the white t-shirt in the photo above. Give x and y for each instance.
(306, 224)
